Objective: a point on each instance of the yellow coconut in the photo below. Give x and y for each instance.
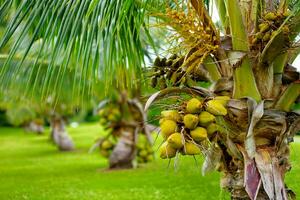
(166, 151)
(106, 144)
(190, 121)
(150, 158)
(111, 117)
(167, 128)
(103, 121)
(101, 112)
(194, 106)
(266, 37)
(205, 118)
(215, 108)
(191, 149)
(264, 27)
(212, 128)
(175, 140)
(270, 16)
(171, 114)
(162, 120)
(199, 134)
(143, 153)
(104, 153)
(222, 99)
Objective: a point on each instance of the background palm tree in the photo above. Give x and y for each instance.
(250, 61)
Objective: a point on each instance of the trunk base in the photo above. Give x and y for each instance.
(60, 136)
(123, 154)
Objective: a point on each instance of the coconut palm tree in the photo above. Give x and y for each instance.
(23, 107)
(126, 122)
(246, 57)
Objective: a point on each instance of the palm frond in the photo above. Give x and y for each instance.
(95, 39)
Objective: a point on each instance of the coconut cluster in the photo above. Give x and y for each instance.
(187, 129)
(109, 115)
(171, 72)
(166, 69)
(106, 146)
(145, 152)
(268, 27)
(110, 120)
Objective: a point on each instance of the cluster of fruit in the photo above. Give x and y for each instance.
(184, 130)
(170, 72)
(106, 146)
(166, 69)
(109, 116)
(269, 25)
(145, 152)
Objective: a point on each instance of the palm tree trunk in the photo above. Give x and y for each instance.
(34, 127)
(124, 152)
(59, 135)
(261, 175)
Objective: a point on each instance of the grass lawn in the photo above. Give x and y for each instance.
(32, 168)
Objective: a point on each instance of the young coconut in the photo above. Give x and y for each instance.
(216, 108)
(222, 99)
(270, 16)
(190, 121)
(103, 121)
(205, 118)
(212, 128)
(143, 153)
(168, 127)
(166, 151)
(104, 153)
(175, 140)
(106, 144)
(150, 158)
(194, 106)
(199, 134)
(191, 149)
(171, 114)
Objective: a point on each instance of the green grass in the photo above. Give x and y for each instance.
(32, 168)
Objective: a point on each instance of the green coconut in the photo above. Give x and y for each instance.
(168, 127)
(205, 118)
(176, 140)
(104, 153)
(191, 149)
(150, 158)
(216, 108)
(171, 114)
(190, 121)
(270, 16)
(106, 144)
(199, 134)
(143, 153)
(213, 127)
(194, 106)
(166, 151)
(222, 99)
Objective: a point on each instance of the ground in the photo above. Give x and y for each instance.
(32, 168)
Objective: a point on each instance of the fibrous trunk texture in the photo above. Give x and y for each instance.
(261, 178)
(123, 154)
(59, 135)
(255, 163)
